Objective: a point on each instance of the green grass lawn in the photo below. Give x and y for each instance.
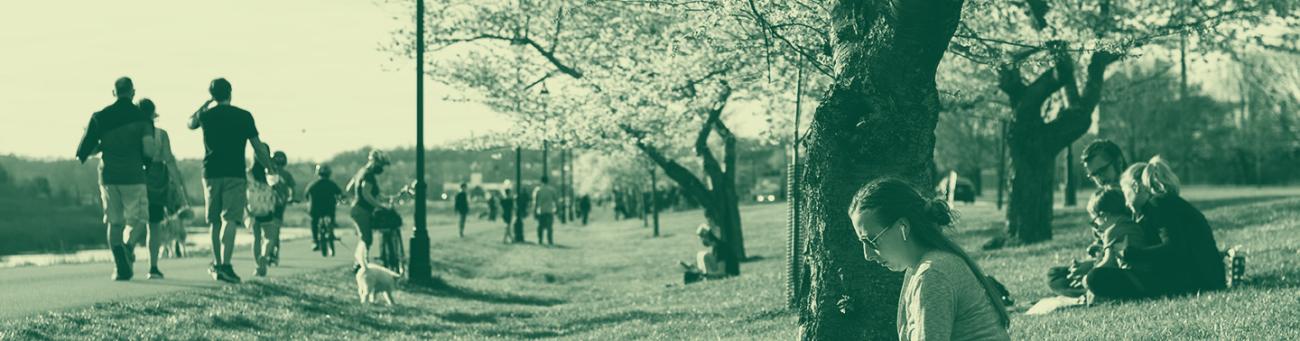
(35, 225)
(609, 281)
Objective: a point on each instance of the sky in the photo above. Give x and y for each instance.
(310, 71)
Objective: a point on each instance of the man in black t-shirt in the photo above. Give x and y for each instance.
(123, 135)
(227, 130)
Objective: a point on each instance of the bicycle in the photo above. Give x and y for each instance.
(392, 253)
(325, 227)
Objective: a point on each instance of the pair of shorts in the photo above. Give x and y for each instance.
(226, 199)
(125, 204)
(362, 217)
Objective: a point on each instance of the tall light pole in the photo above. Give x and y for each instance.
(564, 181)
(546, 130)
(418, 269)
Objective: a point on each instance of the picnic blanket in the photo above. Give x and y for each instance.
(1052, 304)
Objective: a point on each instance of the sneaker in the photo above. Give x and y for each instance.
(123, 270)
(155, 274)
(212, 270)
(226, 273)
(261, 266)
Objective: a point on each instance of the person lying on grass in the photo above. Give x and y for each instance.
(945, 294)
(1114, 276)
(708, 262)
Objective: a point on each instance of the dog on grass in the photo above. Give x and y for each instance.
(374, 280)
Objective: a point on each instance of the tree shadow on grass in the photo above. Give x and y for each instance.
(458, 267)
(582, 325)
(1255, 214)
(1274, 280)
(234, 322)
(487, 317)
(441, 288)
(361, 318)
(1210, 204)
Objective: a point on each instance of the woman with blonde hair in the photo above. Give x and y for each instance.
(1185, 256)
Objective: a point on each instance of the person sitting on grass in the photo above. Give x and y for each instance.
(1185, 257)
(1113, 276)
(708, 262)
(945, 294)
(1103, 161)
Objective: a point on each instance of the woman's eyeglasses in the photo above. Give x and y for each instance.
(871, 241)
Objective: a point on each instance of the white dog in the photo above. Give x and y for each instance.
(172, 235)
(373, 280)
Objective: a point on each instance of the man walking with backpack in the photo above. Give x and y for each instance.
(123, 136)
(227, 131)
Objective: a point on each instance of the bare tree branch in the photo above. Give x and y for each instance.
(548, 54)
(768, 28)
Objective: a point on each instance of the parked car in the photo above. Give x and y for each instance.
(963, 190)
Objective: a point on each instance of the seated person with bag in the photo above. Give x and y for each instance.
(708, 262)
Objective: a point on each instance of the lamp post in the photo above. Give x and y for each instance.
(546, 129)
(418, 270)
(520, 209)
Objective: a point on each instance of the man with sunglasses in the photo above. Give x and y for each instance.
(1103, 161)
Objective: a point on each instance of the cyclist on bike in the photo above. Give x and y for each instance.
(324, 196)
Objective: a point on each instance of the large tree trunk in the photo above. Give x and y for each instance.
(877, 120)
(1071, 178)
(718, 198)
(1029, 212)
(1036, 143)
(725, 214)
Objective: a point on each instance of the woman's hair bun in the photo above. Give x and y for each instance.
(938, 210)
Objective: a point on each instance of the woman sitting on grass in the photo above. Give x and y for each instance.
(945, 294)
(1185, 257)
(708, 262)
(1113, 276)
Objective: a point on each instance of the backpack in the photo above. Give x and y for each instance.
(261, 199)
(281, 189)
